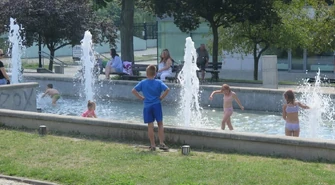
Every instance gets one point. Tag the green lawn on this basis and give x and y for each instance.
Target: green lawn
(84, 160)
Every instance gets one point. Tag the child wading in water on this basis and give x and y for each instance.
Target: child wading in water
(90, 113)
(290, 114)
(228, 98)
(53, 93)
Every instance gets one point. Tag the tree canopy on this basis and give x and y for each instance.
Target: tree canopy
(188, 14)
(57, 22)
(299, 27)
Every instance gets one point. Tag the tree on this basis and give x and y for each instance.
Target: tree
(188, 14)
(127, 30)
(289, 27)
(58, 23)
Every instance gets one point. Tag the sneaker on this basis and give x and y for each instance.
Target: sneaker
(163, 147)
(152, 148)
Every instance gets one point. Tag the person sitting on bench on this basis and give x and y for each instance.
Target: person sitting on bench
(202, 60)
(164, 67)
(114, 65)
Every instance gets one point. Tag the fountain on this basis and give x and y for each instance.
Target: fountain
(88, 61)
(322, 112)
(16, 51)
(189, 93)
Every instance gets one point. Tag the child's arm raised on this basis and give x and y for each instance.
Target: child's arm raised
(238, 101)
(303, 105)
(215, 92)
(138, 95)
(164, 94)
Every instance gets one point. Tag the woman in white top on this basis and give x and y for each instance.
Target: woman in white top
(165, 65)
(114, 65)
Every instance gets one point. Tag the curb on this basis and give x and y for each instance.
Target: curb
(25, 180)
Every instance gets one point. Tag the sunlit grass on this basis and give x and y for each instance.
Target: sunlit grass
(86, 160)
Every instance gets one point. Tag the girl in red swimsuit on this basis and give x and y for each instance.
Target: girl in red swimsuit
(90, 113)
(228, 98)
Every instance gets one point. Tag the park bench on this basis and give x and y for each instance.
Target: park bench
(136, 69)
(214, 73)
(323, 80)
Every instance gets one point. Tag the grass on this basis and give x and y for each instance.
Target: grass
(29, 65)
(86, 160)
(145, 58)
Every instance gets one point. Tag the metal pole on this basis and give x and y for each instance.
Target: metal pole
(39, 51)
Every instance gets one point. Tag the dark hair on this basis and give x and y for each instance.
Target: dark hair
(151, 70)
(50, 86)
(289, 96)
(113, 53)
(90, 103)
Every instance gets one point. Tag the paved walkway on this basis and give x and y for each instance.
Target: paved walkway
(11, 180)
(72, 70)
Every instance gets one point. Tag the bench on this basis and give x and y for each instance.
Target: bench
(214, 73)
(323, 80)
(323, 67)
(136, 69)
(175, 69)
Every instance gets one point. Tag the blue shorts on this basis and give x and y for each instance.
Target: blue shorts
(152, 113)
(3, 81)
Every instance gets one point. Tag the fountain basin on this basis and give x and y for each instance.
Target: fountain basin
(18, 96)
(227, 141)
(257, 99)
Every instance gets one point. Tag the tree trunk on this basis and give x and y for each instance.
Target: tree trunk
(256, 59)
(126, 30)
(215, 45)
(52, 56)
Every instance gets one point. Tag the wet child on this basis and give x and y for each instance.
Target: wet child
(154, 91)
(228, 97)
(90, 113)
(290, 114)
(53, 93)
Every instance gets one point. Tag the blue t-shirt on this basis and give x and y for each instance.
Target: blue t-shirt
(151, 90)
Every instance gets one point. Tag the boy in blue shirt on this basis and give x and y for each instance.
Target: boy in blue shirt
(153, 91)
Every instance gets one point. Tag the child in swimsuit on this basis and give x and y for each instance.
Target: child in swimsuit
(53, 93)
(290, 114)
(228, 98)
(90, 113)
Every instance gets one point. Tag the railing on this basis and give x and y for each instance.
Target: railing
(56, 60)
(146, 30)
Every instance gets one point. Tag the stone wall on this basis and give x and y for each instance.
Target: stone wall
(18, 96)
(258, 99)
(259, 144)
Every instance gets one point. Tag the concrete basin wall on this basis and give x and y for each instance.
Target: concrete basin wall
(20, 96)
(258, 99)
(259, 144)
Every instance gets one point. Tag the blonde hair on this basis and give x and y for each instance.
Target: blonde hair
(166, 55)
(151, 70)
(226, 87)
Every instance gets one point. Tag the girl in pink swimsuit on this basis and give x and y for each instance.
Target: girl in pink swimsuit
(90, 113)
(290, 114)
(228, 98)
